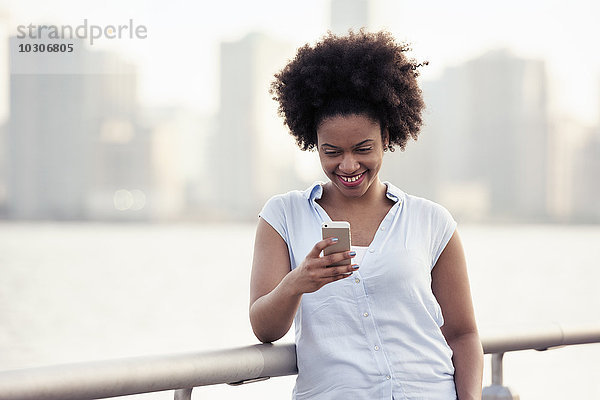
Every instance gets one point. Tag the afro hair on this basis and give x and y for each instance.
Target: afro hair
(360, 73)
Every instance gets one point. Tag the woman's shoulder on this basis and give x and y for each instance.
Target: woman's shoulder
(423, 203)
(293, 197)
(428, 210)
(291, 207)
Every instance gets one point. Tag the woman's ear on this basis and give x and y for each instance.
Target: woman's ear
(385, 136)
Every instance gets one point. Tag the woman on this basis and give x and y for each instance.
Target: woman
(398, 322)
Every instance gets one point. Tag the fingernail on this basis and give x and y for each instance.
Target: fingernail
(334, 240)
(352, 253)
(355, 266)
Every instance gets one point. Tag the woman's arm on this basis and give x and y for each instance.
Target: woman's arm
(275, 291)
(450, 285)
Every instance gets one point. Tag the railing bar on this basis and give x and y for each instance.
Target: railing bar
(123, 377)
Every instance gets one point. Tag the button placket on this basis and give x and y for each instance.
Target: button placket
(371, 334)
(379, 352)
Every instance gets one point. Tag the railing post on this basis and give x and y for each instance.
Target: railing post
(497, 391)
(183, 394)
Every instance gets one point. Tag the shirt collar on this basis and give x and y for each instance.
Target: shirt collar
(315, 191)
(393, 193)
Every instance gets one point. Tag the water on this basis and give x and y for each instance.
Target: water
(81, 292)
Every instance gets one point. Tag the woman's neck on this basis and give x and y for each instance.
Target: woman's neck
(335, 199)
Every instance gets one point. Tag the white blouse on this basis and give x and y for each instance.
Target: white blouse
(375, 335)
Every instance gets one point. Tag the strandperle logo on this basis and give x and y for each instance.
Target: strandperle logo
(83, 31)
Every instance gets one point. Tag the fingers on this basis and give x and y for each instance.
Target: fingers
(318, 270)
(331, 274)
(322, 275)
(339, 273)
(320, 246)
(336, 258)
(331, 258)
(344, 270)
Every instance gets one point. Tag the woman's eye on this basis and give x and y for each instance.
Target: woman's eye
(363, 149)
(330, 153)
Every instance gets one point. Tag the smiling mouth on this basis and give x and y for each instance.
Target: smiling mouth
(353, 180)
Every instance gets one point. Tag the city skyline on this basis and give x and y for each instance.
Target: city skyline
(492, 149)
(445, 34)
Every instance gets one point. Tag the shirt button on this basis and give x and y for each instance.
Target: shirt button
(376, 348)
(371, 250)
(366, 314)
(357, 280)
(388, 377)
(383, 228)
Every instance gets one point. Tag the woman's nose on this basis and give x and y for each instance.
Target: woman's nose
(349, 164)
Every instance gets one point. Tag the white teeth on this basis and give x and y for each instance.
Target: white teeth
(351, 179)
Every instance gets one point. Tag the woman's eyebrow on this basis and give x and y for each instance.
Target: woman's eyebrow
(363, 142)
(356, 145)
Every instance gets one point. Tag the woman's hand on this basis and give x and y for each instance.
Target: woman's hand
(275, 291)
(315, 271)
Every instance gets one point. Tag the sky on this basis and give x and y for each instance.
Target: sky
(178, 62)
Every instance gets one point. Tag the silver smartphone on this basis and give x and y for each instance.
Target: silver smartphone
(340, 230)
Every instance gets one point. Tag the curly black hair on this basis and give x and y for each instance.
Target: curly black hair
(360, 73)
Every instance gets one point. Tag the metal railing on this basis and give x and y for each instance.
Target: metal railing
(182, 372)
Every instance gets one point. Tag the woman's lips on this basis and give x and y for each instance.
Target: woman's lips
(351, 180)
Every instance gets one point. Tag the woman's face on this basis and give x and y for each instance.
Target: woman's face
(351, 152)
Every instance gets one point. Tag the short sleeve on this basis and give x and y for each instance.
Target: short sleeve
(444, 227)
(274, 214)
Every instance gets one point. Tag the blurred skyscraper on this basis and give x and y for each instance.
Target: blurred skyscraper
(4, 100)
(179, 150)
(585, 177)
(251, 151)
(122, 174)
(507, 132)
(3, 168)
(48, 140)
(3, 66)
(74, 149)
(484, 146)
(346, 14)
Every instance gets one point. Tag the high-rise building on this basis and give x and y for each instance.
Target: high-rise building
(3, 169)
(3, 67)
(349, 14)
(490, 121)
(48, 141)
(251, 151)
(122, 173)
(3, 106)
(585, 172)
(74, 147)
(179, 150)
